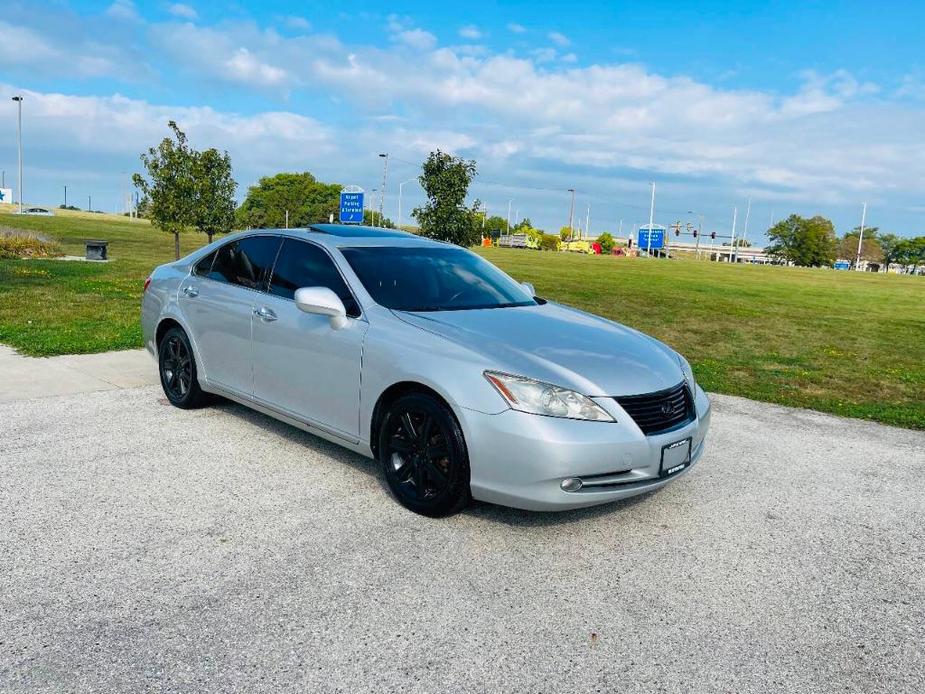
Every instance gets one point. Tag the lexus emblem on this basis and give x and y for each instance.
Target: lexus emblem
(667, 408)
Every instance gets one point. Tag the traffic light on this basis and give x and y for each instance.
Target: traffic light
(677, 231)
(712, 234)
(695, 233)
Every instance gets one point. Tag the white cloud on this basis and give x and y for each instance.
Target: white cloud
(183, 11)
(298, 23)
(417, 38)
(470, 32)
(123, 10)
(558, 38)
(516, 28)
(569, 58)
(244, 67)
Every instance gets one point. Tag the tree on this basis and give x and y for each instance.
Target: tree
(565, 233)
(445, 179)
(607, 242)
(891, 249)
(494, 226)
(870, 246)
(307, 200)
(804, 242)
(372, 218)
(214, 205)
(169, 190)
(914, 252)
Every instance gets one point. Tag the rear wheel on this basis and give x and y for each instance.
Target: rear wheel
(178, 371)
(423, 456)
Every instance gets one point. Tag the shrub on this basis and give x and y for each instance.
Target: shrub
(549, 243)
(607, 243)
(15, 243)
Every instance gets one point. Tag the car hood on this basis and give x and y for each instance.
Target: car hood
(563, 346)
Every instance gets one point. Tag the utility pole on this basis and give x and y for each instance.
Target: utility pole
(385, 173)
(18, 100)
(857, 262)
(735, 213)
(588, 222)
(571, 214)
(509, 203)
(651, 222)
(400, 186)
(89, 203)
(65, 197)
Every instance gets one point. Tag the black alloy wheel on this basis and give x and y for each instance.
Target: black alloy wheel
(178, 371)
(423, 455)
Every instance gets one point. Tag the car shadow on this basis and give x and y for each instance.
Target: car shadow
(479, 510)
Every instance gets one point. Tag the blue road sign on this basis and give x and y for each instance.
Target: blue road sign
(351, 207)
(650, 238)
(842, 265)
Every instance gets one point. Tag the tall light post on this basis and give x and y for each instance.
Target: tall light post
(571, 214)
(651, 222)
(18, 100)
(857, 262)
(400, 186)
(509, 203)
(385, 173)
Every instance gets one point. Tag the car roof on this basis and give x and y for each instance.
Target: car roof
(344, 235)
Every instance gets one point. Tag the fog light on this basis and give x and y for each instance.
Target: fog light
(571, 484)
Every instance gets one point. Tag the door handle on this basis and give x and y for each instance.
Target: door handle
(190, 291)
(265, 314)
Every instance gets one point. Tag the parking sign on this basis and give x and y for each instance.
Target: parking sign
(351, 205)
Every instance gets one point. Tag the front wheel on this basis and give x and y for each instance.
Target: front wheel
(178, 371)
(423, 456)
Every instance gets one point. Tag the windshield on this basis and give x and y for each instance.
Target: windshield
(433, 279)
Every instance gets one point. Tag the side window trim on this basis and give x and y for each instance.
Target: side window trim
(327, 255)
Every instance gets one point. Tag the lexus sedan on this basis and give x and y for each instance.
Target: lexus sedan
(457, 379)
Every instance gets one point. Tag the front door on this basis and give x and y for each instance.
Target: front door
(302, 366)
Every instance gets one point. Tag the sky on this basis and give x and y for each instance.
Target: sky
(797, 107)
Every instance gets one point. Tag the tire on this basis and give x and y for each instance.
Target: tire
(177, 368)
(421, 447)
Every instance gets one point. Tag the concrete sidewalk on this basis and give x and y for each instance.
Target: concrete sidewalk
(25, 378)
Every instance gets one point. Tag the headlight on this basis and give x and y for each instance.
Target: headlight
(687, 370)
(536, 397)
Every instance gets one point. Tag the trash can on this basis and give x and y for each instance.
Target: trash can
(96, 250)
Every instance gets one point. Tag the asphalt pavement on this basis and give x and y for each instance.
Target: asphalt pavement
(145, 548)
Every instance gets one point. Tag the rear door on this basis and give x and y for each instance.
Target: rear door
(219, 305)
(303, 366)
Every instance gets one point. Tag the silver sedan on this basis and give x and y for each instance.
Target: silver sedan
(458, 380)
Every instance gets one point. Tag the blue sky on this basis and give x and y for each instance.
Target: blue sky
(805, 107)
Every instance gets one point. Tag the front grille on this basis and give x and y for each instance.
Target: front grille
(660, 411)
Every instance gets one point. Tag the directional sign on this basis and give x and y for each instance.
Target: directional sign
(842, 265)
(651, 238)
(351, 205)
(6, 195)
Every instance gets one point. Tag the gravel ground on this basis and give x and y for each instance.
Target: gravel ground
(144, 548)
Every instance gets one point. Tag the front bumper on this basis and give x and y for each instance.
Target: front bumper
(518, 459)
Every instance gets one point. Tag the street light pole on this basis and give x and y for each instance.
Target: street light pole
(857, 262)
(18, 100)
(571, 214)
(65, 197)
(400, 186)
(385, 173)
(509, 203)
(651, 222)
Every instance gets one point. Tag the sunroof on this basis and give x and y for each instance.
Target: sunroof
(356, 231)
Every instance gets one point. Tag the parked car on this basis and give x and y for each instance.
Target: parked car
(38, 211)
(458, 380)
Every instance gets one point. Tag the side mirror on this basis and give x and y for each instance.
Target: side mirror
(323, 302)
(529, 287)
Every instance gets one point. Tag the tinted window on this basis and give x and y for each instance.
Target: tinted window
(303, 264)
(433, 279)
(246, 262)
(203, 267)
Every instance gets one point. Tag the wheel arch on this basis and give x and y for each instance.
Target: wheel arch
(162, 327)
(390, 395)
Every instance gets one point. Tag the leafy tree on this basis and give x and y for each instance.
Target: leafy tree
(523, 225)
(805, 242)
(372, 218)
(549, 242)
(307, 200)
(607, 242)
(871, 250)
(891, 248)
(445, 179)
(214, 205)
(565, 233)
(169, 188)
(914, 252)
(494, 226)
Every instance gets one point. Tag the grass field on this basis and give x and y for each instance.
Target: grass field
(848, 343)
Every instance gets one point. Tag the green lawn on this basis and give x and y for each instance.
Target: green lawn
(848, 343)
